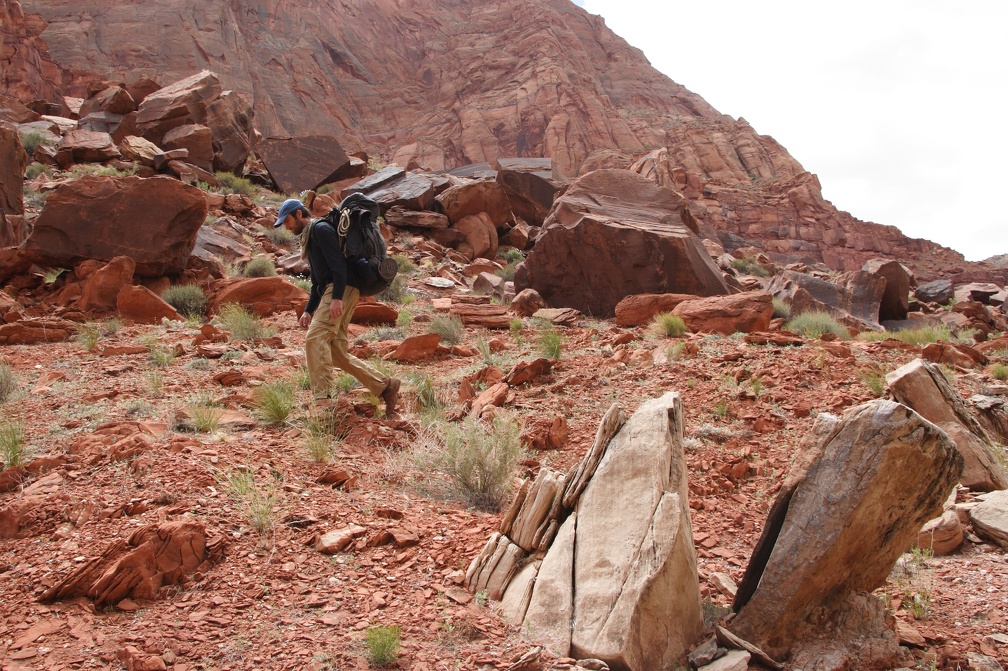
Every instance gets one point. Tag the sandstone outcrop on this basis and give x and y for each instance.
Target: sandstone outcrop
(613, 234)
(853, 299)
(142, 306)
(153, 221)
(298, 164)
(530, 185)
(641, 308)
(13, 161)
(847, 510)
(895, 300)
(102, 287)
(737, 313)
(262, 295)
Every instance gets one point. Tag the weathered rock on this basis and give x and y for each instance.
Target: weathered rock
(492, 569)
(533, 519)
(745, 313)
(230, 120)
(855, 302)
(142, 306)
(530, 184)
(733, 660)
(844, 514)
(383, 177)
(482, 314)
(113, 99)
(403, 218)
(139, 149)
(221, 241)
(161, 554)
(641, 308)
(369, 311)
(177, 104)
(336, 541)
(545, 433)
(480, 236)
(942, 535)
(86, 146)
(297, 164)
(938, 291)
(410, 191)
(614, 234)
(198, 141)
(527, 303)
(896, 296)
(473, 198)
(558, 316)
(154, 221)
(102, 286)
(32, 331)
(494, 396)
(13, 161)
(979, 292)
(953, 354)
(620, 584)
(990, 517)
(922, 387)
(416, 348)
(526, 371)
(262, 295)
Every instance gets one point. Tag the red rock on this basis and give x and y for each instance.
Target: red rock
(954, 354)
(262, 295)
(339, 540)
(304, 163)
(373, 312)
(779, 338)
(124, 350)
(101, 287)
(85, 146)
(480, 235)
(13, 161)
(416, 348)
(896, 297)
(197, 140)
(410, 191)
(530, 185)
(527, 302)
(142, 306)
(113, 99)
(474, 198)
(98, 218)
(545, 433)
(481, 314)
(32, 331)
(403, 218)
(523, 371)
(640, 309)
(495, 396)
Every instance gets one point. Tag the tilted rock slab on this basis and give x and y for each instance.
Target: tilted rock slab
(923, 387)
(990, 518)
(860, 491)
(13, 161)
(853, 300)
(153, 221)
(895, 300)
(620, 581)
(613, 234)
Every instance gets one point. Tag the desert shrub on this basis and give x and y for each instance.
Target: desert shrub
(748, 267)
(259, 504)
(781, 310)
(425, 391)
(302, 283)
(511, 255)
(487, 355)
(396, 292)
(551, 343)
(924, 335)
(34, 199)
(449, 327)
(669, 325)
(161, 356)
(232, 183)
(13, 447)
(382, 644)
(279, 236)
(260, 266)
(998, 371)
(88, 335)
(816, 323)
(405, 263)
(242, 324)
(188, 299)
(8, 382)
(480, 461)
(32, 141)
(35, 169)
(85, 169)
(274, 401)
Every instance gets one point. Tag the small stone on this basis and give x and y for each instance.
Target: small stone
(128, 606)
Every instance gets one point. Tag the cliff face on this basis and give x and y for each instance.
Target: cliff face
(442, 83)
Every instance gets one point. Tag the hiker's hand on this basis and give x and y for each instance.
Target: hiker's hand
(335, 309)
(304, 320)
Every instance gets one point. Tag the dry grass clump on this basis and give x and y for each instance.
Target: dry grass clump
(8, 382)
(13, 447)
(242, 324)
(260, 266)
(668, 325)
(188, 299)
(449, 327)
(259, 504)
(816, 324)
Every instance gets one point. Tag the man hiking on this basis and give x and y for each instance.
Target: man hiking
(333, 297)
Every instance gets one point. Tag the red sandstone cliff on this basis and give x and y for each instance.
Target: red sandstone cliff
(441, 83)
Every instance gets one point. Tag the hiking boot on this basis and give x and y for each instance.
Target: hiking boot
(391, 397)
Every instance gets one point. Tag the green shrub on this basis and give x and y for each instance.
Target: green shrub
(13, 448)
(405, 263)
(161, 357)
(260, 266)
(480, 462)
(669, 325)
(815, 324)
(449, 327)
(8, 382)
(274, 401)
(279, 236)
(382, 644)
(998, 371)
(551, 343)
(35, 169)
(32, 141)
(242, 324)
(396, 292)
(749, 267)
(923, 335)
(88, 335)
(781, 310)
(85, 169)
(188, 299)
(301, 283)
(232, 183)
(511, 256)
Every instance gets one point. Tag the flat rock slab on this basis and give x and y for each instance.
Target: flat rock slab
(990, 518)
(297, 164)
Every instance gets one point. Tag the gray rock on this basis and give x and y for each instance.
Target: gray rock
(938, 291)
(990, 518)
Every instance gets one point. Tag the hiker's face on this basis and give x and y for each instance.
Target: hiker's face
(295, 222)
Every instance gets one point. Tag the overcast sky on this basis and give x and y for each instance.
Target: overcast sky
(898, 106)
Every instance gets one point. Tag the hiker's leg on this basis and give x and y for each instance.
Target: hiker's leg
(364, 372)
(318, 347)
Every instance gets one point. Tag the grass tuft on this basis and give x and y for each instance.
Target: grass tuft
(781, 310)
(551, 343)
(749, 267)
(232, 183)
(88, 335)
(8, 382)
(998, 371)
(449, 327)
(188, 299)
(260, 505)
(260, 266)
(242, 324)
(383, 644)
(668, 325)
(13, 447)
(816, 324)
(274, 401)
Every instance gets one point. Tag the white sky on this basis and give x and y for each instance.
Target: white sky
(899, 106)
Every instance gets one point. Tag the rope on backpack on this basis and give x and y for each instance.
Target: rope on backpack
(343, 227)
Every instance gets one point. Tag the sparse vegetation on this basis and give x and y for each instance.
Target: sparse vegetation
(274, 401)
(85, 169)
(668, 325)
(423, 388)
(35, 169)
(998, 371)
(781, 310)
(486, 354)
(551, 343)
(8, 382)
(260, 505)
(301, 283)
(13, 448)
(396, 292)
(749, 267)
(260, 266)
(88, 335)
(279, 236)
(449, 327)
(722, 409)
(383, 644)
(874, 379)
(318, 441)
(32, 141)
(242, 324)
(232, 183)
(816, 324)
(924, 335)
(188, 299)
(405, 263)
(205, 414)
(161, 356)
(33, 198)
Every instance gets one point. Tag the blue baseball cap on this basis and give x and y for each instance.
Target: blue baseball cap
(290, 206)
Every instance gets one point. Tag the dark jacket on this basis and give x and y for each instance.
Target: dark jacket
(328, 266)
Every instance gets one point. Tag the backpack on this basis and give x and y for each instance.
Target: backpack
(356, 224)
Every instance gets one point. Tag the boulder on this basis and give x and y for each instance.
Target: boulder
(853, 300)
(177, 104)
(942, 535)
(922, 387)
(527, 302)
(262, 295)
(471, 198)
(895, 300)
(953, 354)
(221, 240)
(480, 236)
(101, 288)
(13, 161)
(620, 583)
(154, 221)
(385, 176)
(402, 218)
(990, 518)
(197, 140)
(369, 311)
(297, 164)
(139, 150)
(416, 348)
(979, 292)
(736, 313)
(530, 185)
(142, 306)
(613, 234)
(85, 146)
(410, 191)
(641, 308)
(230, 120)
(113, 99)
(846, 511)
(938, 291)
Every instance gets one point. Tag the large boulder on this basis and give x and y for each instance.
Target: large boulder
(469, 198)
(895, 300)
(154, 221)
(853, 300)
(102, 287)
(142, 306)
(937, 291)
(530, 185)
(297, 164)
(846, 511)
(411, 191)
(230, 120)
(620, 581)
(641, 308)
(13, 161)
(86, 146)
(990, 518)
(923, 387)
(261, 295)
(197, 140)
(612, 234)
(736, 313)
(113, 99)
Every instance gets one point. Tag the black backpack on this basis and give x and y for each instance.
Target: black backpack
(356, 224)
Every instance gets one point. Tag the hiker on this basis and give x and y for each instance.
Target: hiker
(331, 303)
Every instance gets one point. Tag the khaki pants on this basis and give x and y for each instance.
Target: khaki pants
(326, 344)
